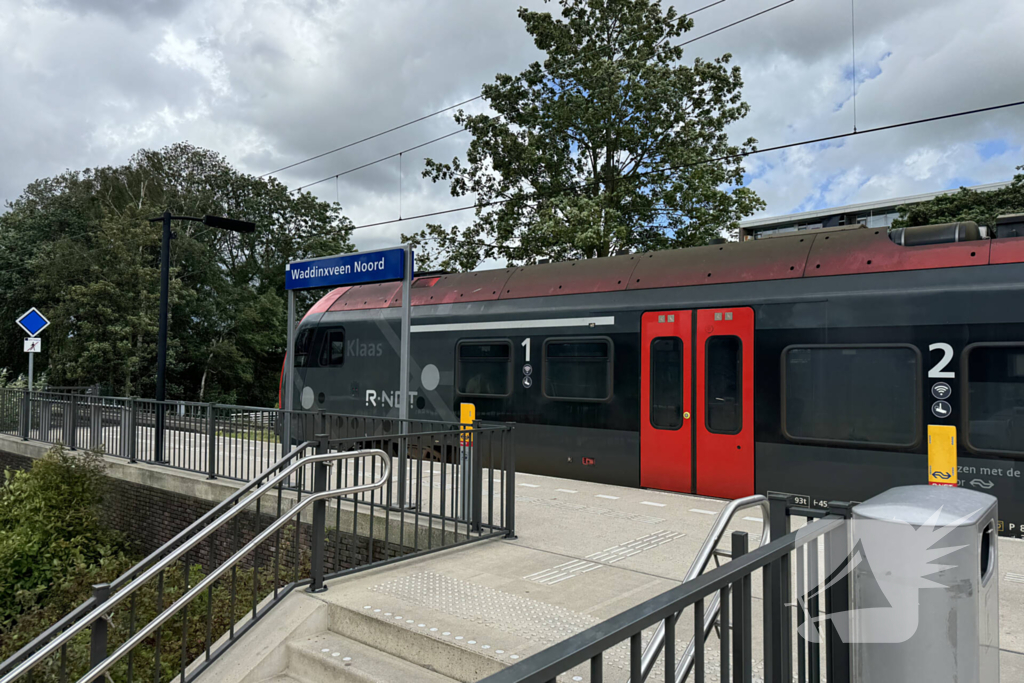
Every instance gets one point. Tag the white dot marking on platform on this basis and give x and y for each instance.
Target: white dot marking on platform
(647, 502)
(531, 486)
(471, 642)
(335, 654)
(434, 629)
(606, 497)
(376, 610)
(514, 656)
(446, 633)
(420, 625)
(346, 659)
(326, 649)
(703, 512)
(367, 606)
(567, 491)
(500, 652)
(753, 519)
(458, 637)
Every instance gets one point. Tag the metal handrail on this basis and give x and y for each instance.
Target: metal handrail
(174, 555)
(212, 512)
(700, 563)
(128, 575)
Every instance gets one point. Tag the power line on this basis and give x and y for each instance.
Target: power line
(377, 161)
(371, 137)
(726, 157)
(735, 23)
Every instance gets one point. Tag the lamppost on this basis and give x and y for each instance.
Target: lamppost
(165, 270)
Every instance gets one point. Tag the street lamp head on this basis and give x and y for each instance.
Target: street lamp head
(229, 224)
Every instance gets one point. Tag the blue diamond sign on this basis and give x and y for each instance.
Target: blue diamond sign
(33, 322)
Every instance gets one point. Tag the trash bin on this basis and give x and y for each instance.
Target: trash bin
(924, 587)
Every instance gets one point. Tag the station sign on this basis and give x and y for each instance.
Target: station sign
(346, 269)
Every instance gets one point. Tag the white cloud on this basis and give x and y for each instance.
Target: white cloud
(267, 82)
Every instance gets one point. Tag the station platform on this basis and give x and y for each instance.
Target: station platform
(584, 552)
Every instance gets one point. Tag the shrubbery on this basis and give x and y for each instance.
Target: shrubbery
(52, 541)
(54, 546)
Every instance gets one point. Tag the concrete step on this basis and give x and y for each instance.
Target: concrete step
(281, 678)
(329, 657)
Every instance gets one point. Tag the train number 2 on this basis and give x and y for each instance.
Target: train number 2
(938, 370)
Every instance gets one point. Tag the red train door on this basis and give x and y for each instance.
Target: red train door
(724, 411)
(666, 379)
(697, 400)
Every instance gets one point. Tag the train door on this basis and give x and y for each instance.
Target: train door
(666, 376)
(697, 396)
(724, 420)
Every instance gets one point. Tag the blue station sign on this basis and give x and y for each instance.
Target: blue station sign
(346, 269)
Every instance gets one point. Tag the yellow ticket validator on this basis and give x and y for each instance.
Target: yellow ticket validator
(942, 455)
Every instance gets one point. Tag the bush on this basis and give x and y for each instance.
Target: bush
(54, 547)
(51, 537)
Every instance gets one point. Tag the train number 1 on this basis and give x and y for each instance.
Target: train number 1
(938, 370)
(526, 345)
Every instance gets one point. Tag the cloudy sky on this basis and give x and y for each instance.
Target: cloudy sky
(269, 82)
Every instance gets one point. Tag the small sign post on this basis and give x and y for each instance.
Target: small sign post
(33, 322)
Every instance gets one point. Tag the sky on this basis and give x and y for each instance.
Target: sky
(86, 83)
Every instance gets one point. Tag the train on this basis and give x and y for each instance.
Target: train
(812, 363)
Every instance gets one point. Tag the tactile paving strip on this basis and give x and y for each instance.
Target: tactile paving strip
(534, 620)
(565, 505)
(569, 570)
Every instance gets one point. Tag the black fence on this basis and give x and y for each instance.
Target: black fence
(351, 497)
(233, 442)
(808, 564)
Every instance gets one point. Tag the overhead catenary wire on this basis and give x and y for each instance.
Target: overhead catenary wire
(735, 23)
(370, 137)
(392, 156)
(377, 161)
(739, 155)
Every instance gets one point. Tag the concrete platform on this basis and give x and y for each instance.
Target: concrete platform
(584, 552)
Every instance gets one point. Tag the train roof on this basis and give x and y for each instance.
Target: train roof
(855, 250)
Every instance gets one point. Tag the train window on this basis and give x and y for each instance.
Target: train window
(995, 397)
(484, 368)
(332, 349)
(578, 369)
(667, 383)
(723, 382)
(852, 394)
(303, 342)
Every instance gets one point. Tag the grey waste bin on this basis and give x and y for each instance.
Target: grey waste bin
(924, 587)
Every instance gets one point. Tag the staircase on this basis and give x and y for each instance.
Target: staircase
(328, 656)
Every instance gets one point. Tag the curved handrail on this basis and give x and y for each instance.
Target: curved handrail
(129, 575)
(700, 563)
(174, 555)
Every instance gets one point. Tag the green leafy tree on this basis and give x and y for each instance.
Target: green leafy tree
(80, 247)
(610, 144)
(966, 205)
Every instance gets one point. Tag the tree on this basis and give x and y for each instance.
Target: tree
(610, 144)
(966, 205)
(80, 247)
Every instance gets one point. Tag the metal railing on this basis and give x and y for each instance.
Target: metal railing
(459, 488)
(708, 550)
(220, 441)
(106, 605)
(817, 552)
